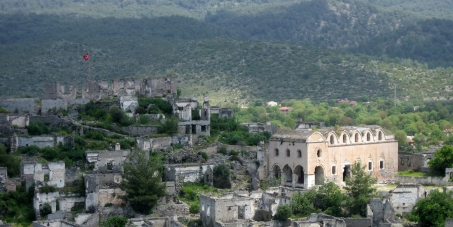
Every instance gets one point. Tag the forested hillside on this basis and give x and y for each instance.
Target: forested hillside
(211, 52)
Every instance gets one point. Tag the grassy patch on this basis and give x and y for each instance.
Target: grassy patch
(411, 173)
(190, 194)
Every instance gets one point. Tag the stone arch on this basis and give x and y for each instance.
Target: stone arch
(379, 135)
(332, 139)
(345, 138)
(288, 173)
(368, 136)
(299, 171)
(277, 172)
(319, 175)
(356, 137)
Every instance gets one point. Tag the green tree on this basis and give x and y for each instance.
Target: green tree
(37, 128)
(443, 158)
(432, 211)
(329, 198)
(10, 161)
(142, 181)
(359, 188)
(283, 212)
(302, 204)
(115, 221)
(221, 176)
(170, 126)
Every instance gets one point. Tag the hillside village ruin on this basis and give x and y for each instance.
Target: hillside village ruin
(295, 160)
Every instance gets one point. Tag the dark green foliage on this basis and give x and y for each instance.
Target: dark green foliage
(204, 155)
(46, 209)
(118, 116)
(159, 105)
(283, 212)
(170, 126)
(142, 181)
(47, 189)
(10, 161)
(443, 158)
(115, 221)
(433, 210)
(62, 152)
(359, 189)
(37, 128)
(221, 176)
(17, 206)
(194, 208)
(223, 150)
(302, 204)
(233, 152)
(3, 110)
(196, 114)
(329, 198)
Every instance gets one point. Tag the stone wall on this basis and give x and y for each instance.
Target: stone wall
(18, 105)
(140, 130)
(182, 173)
(87, 220)
(53, 121)
(51, 173)
(67, 202)
(404, 197)
(40, 141)
(418, 162)
(421, 180)
(239, 148)
(358, 222)
(52, 105)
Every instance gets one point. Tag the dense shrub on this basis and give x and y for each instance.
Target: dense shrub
(221, 176)
(283, 212)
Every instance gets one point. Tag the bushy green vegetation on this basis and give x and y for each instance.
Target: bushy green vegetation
(115, 221)
(329, 198)
(443, 158)
(221, 176)
(190, 194)
(16, 206)
(142, 182)
(433, 210)
(10, 161)
(159, 105)
(283, 212)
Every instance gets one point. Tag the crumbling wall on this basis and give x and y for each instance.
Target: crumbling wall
(140, 130)
(358, 222)
(185, 172)
(404, 197)
(21, 106)
(48, 105)
(69, 201)
(40, 141)
(128, 103)
(51, 173)
(87, 219)
(107, 159)
(96, 90)
(42, 198)
(162, 86)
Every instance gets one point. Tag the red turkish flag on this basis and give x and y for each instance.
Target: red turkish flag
(86, 57)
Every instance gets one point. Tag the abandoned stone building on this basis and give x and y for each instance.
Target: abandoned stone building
(183, 173)
(304, 158)
(260, 127)
(300, 124)
(222, 112)
(51, 173)
(405, 196)
(61, 91)
(17, 142)
(105, 161)
(241, 207)
(189, 124)
(415, 161)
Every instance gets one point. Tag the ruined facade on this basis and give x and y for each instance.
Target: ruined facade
(40, 141)
(404, 197)
(260, 127)
(51, 173)
(303, 158)
(182, 173)
(59, 91)
(104, 161)
(188, 124)
(411, 161)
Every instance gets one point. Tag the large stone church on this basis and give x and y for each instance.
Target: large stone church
(307, 157)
